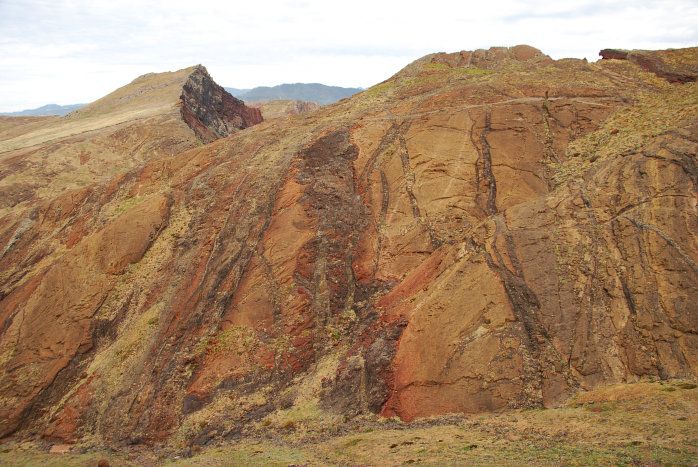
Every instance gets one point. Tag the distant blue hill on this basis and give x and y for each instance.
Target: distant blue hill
(313, 92)
(50, 109)
(235, 92)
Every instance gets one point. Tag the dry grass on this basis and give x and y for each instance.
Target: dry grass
(146, 96)
(628, 130)
(58, 129)
(651, 423)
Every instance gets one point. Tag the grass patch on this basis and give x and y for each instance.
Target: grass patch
(638, 424)
(380, 89)
(126, 204)
(462, 71)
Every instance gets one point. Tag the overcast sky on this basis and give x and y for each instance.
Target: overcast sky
(74, 51)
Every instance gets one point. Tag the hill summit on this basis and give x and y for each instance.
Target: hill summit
(155, 115)
(485, 231)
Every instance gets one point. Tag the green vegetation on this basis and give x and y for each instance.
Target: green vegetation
(238, 339)
(379, 89)
(126, 204)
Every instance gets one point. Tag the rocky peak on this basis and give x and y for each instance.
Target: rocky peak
(489, 59)
(211, 111)
(493, 58)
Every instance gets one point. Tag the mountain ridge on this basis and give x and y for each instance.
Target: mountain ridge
(309, 92)
(45, 110)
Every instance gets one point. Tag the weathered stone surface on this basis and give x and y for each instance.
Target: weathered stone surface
(211, 111)
(484, 231)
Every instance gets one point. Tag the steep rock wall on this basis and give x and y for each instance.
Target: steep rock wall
(211, 111)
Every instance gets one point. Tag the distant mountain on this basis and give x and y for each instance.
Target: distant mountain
(235, 92)
(50, 109)
(313, 92)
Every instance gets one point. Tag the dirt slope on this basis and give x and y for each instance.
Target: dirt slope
(484, 231)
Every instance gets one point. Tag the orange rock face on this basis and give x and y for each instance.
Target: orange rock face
(53, 325)
(484, 231)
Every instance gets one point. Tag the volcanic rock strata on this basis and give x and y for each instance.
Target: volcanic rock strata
(483, 231)
(211, 111)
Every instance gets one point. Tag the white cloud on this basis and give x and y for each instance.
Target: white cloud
(69, 51)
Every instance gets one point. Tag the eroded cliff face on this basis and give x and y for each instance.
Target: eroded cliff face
(211, 111)
(485, 230)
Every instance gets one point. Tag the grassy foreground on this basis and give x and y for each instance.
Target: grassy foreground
(653, 423)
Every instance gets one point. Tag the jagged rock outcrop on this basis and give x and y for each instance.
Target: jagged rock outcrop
(492, 58)
(211, 111)
(482, 231)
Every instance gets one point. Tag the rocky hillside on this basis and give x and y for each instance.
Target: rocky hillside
(157, 115)
(484, 231)
(283, 108)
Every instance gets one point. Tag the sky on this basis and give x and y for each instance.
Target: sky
(76, 51)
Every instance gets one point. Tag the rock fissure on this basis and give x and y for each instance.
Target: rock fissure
(385, 203)
(409, 176)
(547, 117)
(644, 226)
(386, 141)
(483, 167)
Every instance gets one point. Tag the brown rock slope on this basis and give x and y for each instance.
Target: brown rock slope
(485, 230)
